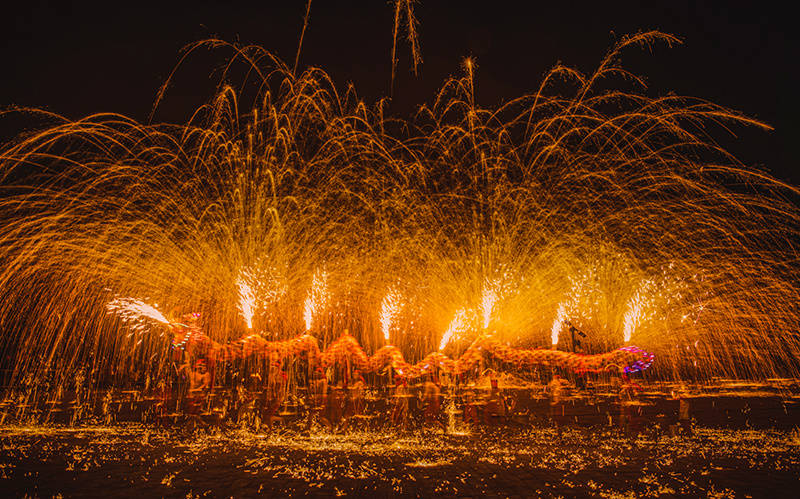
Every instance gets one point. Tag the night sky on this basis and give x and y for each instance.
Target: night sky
(113, 57)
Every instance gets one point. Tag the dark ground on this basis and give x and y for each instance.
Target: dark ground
(135, 461)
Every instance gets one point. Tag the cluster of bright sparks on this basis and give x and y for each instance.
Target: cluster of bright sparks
(135, 313)
(247, 299)
(390, 310)
(317, 299)
(558, 323)
(638, 308)
(458, 326)
(490, 295)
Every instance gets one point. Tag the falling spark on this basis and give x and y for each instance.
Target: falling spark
(405, 7)
(631, 318)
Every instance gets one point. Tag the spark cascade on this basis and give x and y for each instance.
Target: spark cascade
(317, 298)
(390, 309)
(558, 323)
(488, 299)
(576, 193)
(459, 325)
(637, 308)
(246, 299)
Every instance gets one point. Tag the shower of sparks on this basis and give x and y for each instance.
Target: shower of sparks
(247, 300)
(570, 198)
(458, 326)
(489, 297)
(637, 309)
(317, 299)
(390, 310)
(135, 313)
(558, 323)
(493, 290)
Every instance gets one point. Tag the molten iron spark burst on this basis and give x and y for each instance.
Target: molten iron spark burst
(580, 191)
(558, 323)
(459, 325)
(135, 313)
(637, 309)
(317, 299)
(390, 309)
(247, 300)
(489, 297)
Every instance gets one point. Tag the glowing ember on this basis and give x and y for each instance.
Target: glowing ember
(388, 464)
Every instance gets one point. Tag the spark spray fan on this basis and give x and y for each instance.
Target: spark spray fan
(136, 314)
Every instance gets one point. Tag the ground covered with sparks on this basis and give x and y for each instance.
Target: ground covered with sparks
(133, 460)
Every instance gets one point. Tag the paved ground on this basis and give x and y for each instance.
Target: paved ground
(136, 461)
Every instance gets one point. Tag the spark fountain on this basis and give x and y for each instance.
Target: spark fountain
(297, 230)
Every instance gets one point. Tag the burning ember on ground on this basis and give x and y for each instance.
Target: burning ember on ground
(96, 462)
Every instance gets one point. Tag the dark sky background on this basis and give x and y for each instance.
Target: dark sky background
(113, 56)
